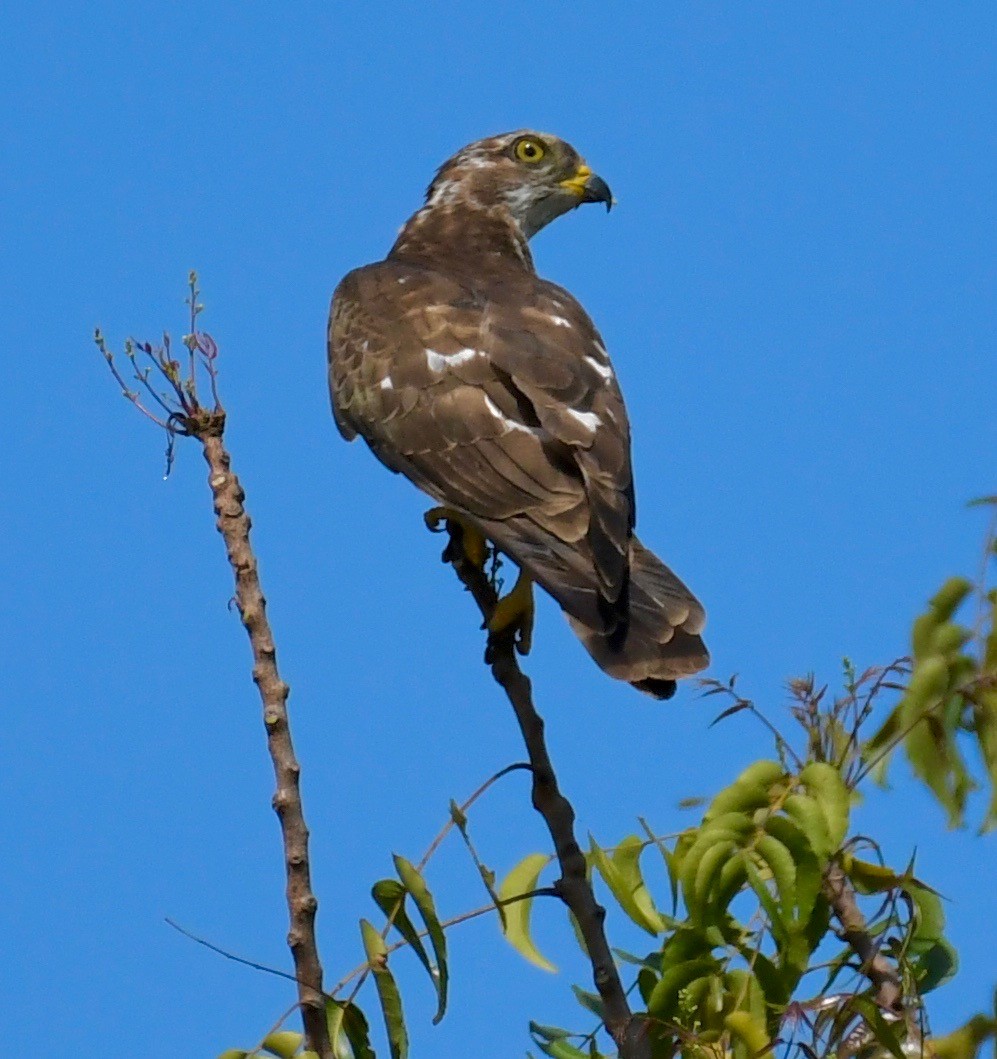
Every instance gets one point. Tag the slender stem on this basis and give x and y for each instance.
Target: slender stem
(575, 890)
(449, 825)
(233, 524)
(445, 924)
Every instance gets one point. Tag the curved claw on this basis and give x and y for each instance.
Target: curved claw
(463, 535)
(515, 612)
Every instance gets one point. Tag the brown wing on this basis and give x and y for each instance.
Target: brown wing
(502, 404)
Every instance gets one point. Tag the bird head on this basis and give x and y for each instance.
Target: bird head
(534, 175)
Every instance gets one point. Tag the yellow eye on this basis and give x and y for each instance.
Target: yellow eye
(527, 150)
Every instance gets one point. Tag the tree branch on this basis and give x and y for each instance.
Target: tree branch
(574, 888)
(233, 524)
(188, 417)
(882, 974)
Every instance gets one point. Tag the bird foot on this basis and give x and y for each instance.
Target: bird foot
(466, 540)
(514, 614)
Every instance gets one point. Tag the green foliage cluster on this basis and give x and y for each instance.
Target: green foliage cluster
(764, 889)
(743, 961)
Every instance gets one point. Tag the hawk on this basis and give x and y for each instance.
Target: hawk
(491, 390)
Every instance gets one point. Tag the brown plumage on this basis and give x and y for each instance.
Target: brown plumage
(491, 390)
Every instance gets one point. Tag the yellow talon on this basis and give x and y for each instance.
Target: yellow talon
(515, 611)
(469, 538)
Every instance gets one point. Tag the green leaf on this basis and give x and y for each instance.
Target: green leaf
(783, 870)
(809, 871)
(283, 1043)
(390, 897)
(387, 989)
(870, 878)
(929, 922)
(348, 1019)
(809, 818)
(553, 1041)
(523, 880)
(709, 868)
(653, 961)
(885, 1032)
(672, 862)
(935, 966)
(416, 886)
(750, 791)
(234, 1053)
(749, 1035)
(745, 992)
(985, 727)
(777, 924)
(730, 882)
(770, 979)
(626, 861)
(966, 1041)
(947, 599)
(663, 1001)
(621, 888)
(549, 1033)
(590, 1001)
(824, 783)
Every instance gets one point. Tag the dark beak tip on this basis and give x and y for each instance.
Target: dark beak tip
(597, 190)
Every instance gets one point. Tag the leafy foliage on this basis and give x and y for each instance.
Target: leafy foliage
(763, 890)
(744, 961)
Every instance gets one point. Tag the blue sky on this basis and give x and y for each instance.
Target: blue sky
(798, 290)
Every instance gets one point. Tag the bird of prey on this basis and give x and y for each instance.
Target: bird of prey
(491, 390)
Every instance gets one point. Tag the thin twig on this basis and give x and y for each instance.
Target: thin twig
(574, 888)
(449, 825)
(230, 955)
(365, 969)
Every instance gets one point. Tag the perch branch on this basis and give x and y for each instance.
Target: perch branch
(573, 887)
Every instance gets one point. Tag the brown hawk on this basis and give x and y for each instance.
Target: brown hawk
(491, 390)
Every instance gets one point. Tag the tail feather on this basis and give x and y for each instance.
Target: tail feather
(658, 642)
(663, 641)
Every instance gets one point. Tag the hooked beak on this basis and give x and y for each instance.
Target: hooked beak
(588, 187)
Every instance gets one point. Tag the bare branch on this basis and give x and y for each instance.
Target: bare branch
(188, 417)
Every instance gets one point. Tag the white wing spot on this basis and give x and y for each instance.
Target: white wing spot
(462, 356)
(603, 369)
(386, 383)
(436, 361)
(510, 424)
(439, 362)
(559, 321)
(589, 420)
